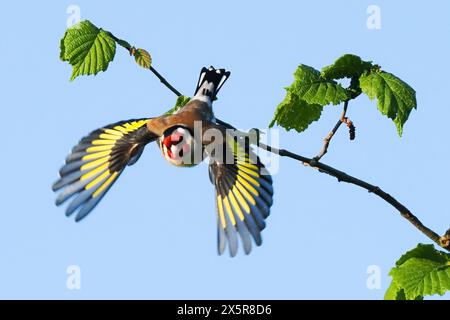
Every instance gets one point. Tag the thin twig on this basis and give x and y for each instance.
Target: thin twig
(164, 81)
(326, 141)
(131, 49)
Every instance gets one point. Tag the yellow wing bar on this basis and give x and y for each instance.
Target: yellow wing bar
(243, 195)
(97, 161)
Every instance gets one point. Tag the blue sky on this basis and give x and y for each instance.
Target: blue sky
(142, 241)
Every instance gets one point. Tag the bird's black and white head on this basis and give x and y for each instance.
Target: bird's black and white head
(209, 83)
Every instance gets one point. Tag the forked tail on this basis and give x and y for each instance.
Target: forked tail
(210, 82)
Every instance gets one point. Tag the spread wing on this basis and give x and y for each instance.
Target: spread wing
(97, 161)
(243, 196)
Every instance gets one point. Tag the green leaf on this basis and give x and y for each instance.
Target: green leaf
(310, 86)
(420, 272)
(394, 292)
(88, 49)
(395, 98)
(347, 66)
(420, 277)
(305, 99)
(181, 101)
(425, 251)
(294, 113)
(142, 58)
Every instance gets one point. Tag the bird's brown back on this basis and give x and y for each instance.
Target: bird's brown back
(194, 110)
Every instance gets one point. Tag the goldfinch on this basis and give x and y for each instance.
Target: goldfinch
(243, 186)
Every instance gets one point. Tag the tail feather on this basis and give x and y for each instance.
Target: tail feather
(210, 81)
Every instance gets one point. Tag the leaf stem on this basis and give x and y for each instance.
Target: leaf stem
(131, 49)
(327, 140)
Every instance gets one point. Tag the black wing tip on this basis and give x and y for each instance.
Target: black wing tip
(56, 185)
(80, 218)
(68, 214)
(234, 252)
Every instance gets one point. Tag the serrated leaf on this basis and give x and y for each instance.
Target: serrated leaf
(420, 272)
(181, 102)
(347, 66)
(425, 251)
(88, 49)
(422, 277)
(395, 98)
(62, 48)
(142, 58)
(310, 86)
(305, 99)
(294, 113)
(394, 292)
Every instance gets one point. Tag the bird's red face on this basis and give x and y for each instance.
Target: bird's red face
(177, 146)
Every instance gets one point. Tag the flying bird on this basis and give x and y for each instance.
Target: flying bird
(243, 186)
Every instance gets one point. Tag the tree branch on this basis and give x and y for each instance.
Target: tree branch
(341, 176)
(443, 242)
(326, 141)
